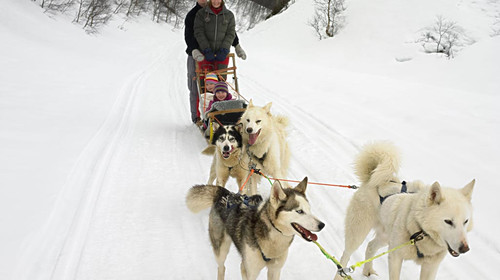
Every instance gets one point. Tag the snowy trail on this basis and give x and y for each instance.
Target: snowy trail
(124, 202)
(139, 223)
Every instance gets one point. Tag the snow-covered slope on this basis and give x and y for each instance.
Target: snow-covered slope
(98, 150)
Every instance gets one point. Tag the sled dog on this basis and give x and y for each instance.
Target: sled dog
(262, 231)
(437, 217)
(265, 135)
(228, 156)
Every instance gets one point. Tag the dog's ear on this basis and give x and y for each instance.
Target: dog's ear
(250, 104)
(467, 190)
(435, 194)
(215, 125)
(267, 108)
(277, 193)
(239, 126)
(302, 186)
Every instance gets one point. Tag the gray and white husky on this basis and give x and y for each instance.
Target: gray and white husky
(440, 216)
(262, 231)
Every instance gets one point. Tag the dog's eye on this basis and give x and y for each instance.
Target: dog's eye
(300, 211)
(258, 121)
(450, 222)
(248, 120)
(466, 221)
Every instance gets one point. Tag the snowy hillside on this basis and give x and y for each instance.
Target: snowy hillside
(98, 150)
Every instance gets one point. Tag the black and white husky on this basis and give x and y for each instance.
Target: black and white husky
(261, 231)
(228, 156)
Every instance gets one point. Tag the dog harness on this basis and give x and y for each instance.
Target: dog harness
(404, 189)
(251, 155)
(417, 236)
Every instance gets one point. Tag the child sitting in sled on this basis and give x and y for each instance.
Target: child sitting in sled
(221, 93)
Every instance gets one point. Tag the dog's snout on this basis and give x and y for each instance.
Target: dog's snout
(249, 130)
(226, 148)
(464, 248)
(321, 225)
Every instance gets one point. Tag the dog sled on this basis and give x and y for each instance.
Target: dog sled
(222, 112)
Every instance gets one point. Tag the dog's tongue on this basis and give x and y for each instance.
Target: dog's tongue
(252, 138)
(227, 154)
(307, 235)
(312, 237)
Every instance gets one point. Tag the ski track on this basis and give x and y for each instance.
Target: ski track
(117, 128)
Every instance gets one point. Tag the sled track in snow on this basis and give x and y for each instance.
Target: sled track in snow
(78, 199)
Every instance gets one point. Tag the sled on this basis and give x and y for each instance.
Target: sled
(223, 112)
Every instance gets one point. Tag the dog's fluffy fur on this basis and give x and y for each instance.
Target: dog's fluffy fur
(261, 231)
(229, 158)
(443, 214)
(266, 135)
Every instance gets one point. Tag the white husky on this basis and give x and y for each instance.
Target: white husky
(266, 135)
(442, 216)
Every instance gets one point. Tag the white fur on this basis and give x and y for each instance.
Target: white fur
(271, 143)
(427, 208)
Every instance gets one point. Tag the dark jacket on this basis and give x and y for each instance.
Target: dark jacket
(189, 31)
(214, 31)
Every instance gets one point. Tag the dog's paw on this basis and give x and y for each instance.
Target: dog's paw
(367, 271)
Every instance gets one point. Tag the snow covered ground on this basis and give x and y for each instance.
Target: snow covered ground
(97, 149)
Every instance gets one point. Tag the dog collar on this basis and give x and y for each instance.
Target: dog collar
(266, 259)
(417, 236)
(267, 214)
(252, 155)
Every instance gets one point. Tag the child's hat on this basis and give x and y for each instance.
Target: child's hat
(211, 78)
(221, 86)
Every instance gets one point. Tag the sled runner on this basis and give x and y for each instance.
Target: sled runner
(223, 112)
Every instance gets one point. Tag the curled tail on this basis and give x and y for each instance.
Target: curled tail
(201, 197)
(377, 164)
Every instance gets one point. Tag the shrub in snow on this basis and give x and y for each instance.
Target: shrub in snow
(445, 37)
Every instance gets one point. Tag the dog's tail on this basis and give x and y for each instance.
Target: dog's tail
(282, 120)
(378, 163)
(210, 150)
(201, 197)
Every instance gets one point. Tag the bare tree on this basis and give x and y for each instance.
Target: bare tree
(97, 13)
(248, 12)
(93, 14)
(328, 18)
(52, 6)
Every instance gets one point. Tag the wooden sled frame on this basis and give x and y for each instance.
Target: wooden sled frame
(230, 71)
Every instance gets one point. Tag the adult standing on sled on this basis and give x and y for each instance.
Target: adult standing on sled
(194, 53)
(214, 29)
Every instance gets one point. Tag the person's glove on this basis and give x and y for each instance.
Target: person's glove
(209, 54)
(197, 55)
(240, 52)
(221, 54)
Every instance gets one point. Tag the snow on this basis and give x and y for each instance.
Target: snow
(98, 150)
